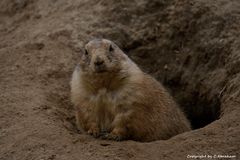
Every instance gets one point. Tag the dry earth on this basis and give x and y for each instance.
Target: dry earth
(192, 47)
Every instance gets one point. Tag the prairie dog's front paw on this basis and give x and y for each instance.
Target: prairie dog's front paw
(94, 131)
(111, 136)
(116, 135)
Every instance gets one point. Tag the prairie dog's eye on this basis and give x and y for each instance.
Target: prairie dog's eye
(86, 52)
(111, 48)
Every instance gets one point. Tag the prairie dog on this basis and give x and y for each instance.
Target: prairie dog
(115, 100)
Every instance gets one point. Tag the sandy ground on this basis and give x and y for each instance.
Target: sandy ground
(192, 47)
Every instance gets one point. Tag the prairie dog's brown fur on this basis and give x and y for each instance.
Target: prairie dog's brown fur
(115, 100)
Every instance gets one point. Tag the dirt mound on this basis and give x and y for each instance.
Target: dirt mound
(192, 47)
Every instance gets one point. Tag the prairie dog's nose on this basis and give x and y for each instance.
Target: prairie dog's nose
(99, 61)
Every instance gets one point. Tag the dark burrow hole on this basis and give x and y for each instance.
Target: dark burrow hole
(200, 109)
(202, 116)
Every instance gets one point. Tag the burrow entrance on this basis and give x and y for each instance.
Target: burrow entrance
(201, 109)
(200, 102)
(187, 79)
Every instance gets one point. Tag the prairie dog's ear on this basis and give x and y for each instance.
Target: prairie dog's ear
(111, 49)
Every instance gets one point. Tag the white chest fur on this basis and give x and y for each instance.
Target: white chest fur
(104, 104)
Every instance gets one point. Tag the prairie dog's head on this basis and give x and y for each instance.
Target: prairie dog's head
(101, 56)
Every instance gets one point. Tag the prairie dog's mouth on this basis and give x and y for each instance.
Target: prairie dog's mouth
(100, 70)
